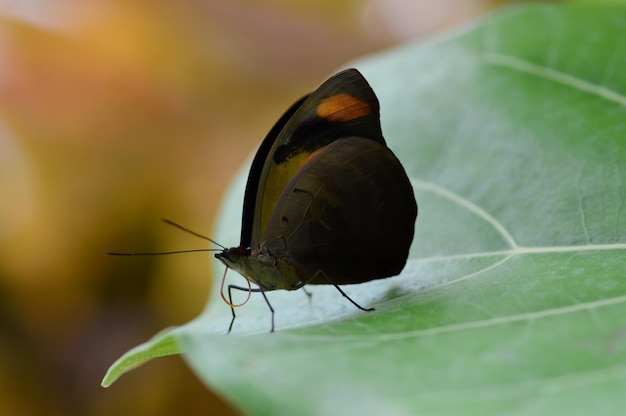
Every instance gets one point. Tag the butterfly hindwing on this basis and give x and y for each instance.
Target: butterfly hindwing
(348, 213)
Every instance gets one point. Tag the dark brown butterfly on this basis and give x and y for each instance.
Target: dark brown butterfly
(326, 202)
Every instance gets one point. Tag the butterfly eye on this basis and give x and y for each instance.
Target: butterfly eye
(233, 254)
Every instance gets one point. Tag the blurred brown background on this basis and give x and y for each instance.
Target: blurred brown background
(115, 113)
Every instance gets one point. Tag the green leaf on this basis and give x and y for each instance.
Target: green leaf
(513, 132)
(162, 344)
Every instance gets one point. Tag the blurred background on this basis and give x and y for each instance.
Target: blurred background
(115, 113)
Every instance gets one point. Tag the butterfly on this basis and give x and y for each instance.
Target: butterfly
(326, 201)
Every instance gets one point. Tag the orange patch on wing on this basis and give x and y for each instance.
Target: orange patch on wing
(342, 107)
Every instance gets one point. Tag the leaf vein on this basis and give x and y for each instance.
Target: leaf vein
(456, 198)
(529, 316)
(554, 75)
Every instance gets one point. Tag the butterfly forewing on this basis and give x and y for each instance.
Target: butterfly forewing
(343, 106)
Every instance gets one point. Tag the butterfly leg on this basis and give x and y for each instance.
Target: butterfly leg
(247, 289)
(308, 294)
(230, 299)
(345, 295)
(260, 289)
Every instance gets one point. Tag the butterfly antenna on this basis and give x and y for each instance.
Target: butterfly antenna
(180, 227)
(160, 253)
(187, 230)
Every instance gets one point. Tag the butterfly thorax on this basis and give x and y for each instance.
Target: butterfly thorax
(261, 268)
